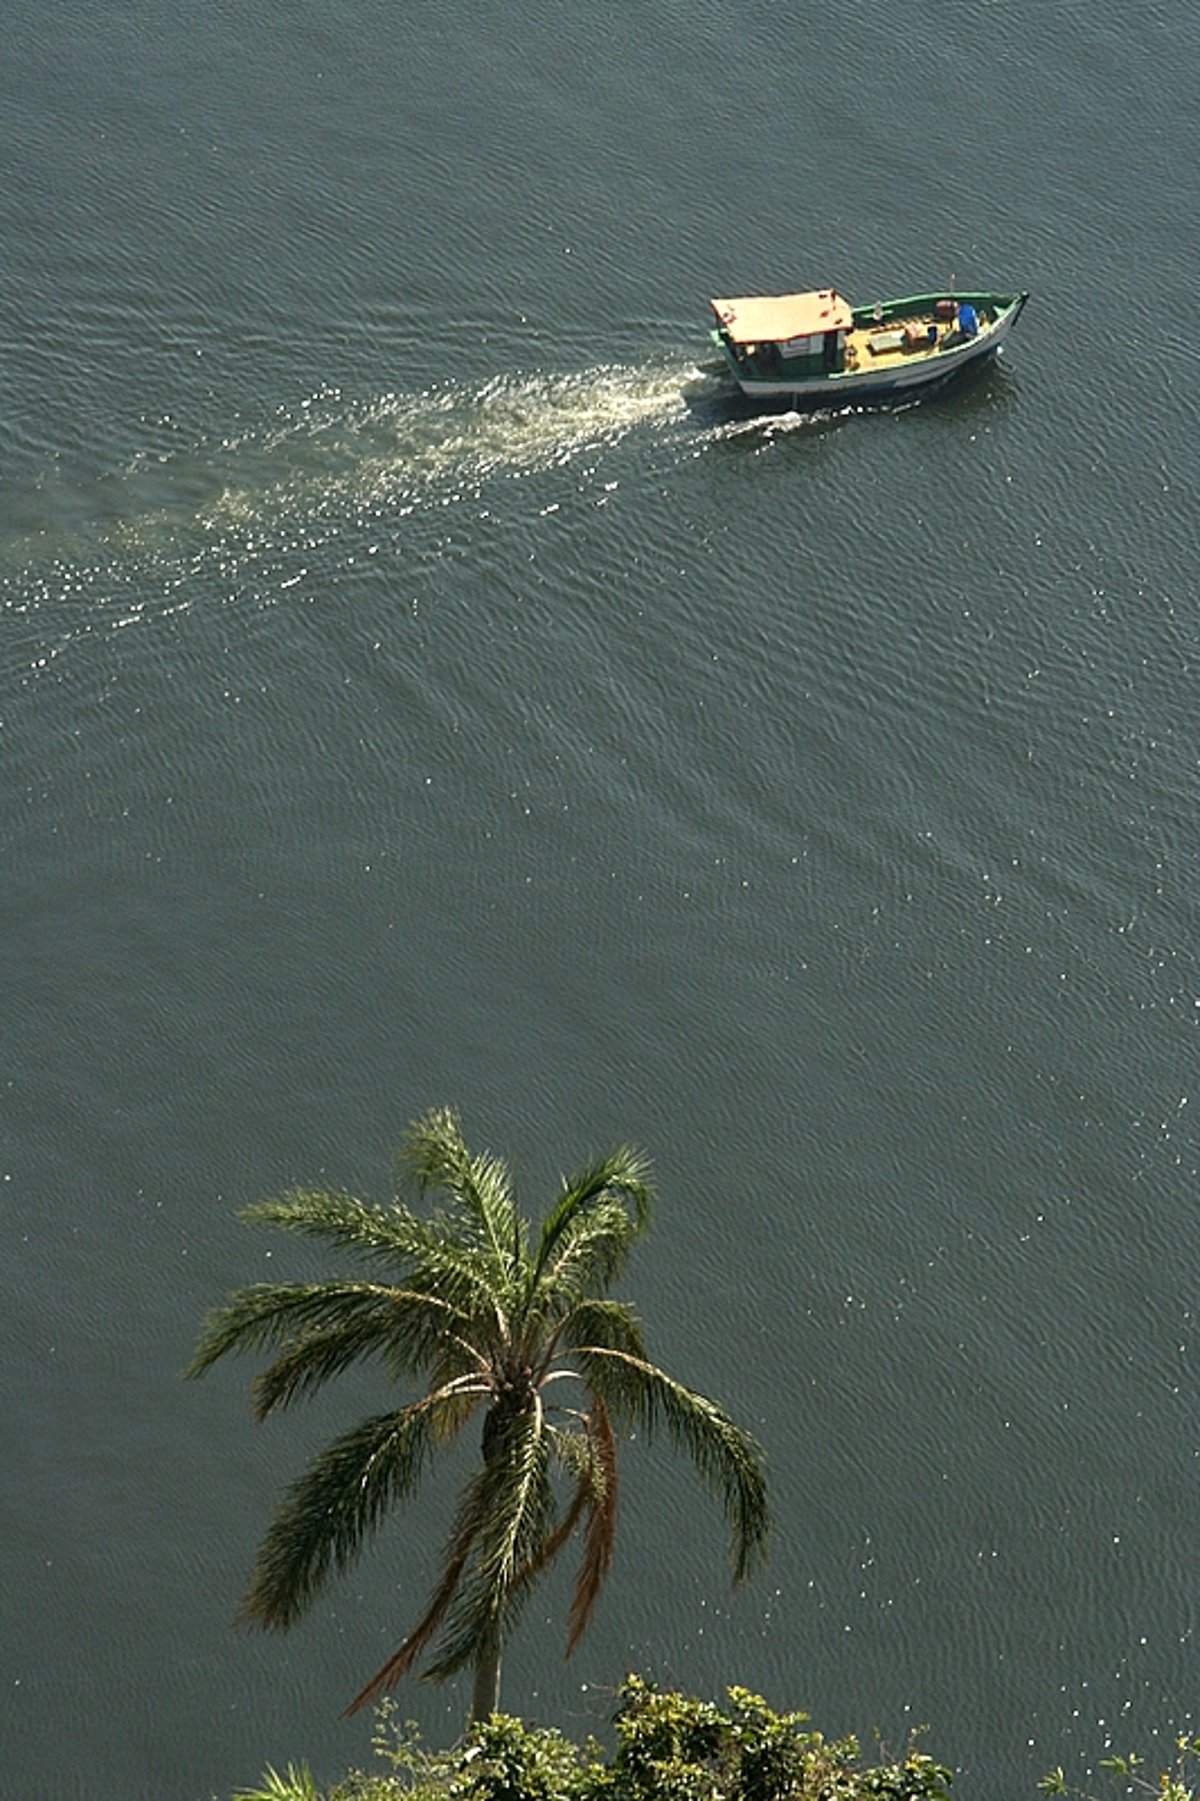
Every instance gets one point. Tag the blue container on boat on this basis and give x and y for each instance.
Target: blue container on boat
(968, 321)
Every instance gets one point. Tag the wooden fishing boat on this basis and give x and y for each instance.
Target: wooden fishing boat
(817, 348)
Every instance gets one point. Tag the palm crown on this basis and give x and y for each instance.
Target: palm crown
(490, 1316)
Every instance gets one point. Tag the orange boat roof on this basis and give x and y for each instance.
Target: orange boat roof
(773, 318)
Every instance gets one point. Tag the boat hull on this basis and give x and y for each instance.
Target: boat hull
(898, 375)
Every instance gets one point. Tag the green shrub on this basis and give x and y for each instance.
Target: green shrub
(674, 1748)
(670, 1747)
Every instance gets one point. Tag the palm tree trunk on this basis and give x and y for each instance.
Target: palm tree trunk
(485, 1700)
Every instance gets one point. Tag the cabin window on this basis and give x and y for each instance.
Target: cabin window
(833, 349)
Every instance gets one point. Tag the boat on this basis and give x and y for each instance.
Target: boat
(816, 348)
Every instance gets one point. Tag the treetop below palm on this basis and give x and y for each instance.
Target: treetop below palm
(480, 1313)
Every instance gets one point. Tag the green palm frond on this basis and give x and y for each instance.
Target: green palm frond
(426, 1333)
(428, 1254)
(435, 1155)
(345, 1222)
(314, 1360)
(517, 1515)
(571, 1450)
(309, 1362)
(466, 1279)
(611, 1325)
(591, 1254)
(579, 1462)
(332, 1509)
(406, 1327)
(298, 1784)
(271, 1313)
(601, 1522)
(457, 1411)
(518, 1498)
(725, 1454)
(611, 1195)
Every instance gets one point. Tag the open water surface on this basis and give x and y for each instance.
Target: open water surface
(419, 685)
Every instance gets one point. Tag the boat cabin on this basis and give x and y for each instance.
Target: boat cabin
(805, 331)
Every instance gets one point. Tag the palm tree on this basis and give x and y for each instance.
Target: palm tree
(490, 1317)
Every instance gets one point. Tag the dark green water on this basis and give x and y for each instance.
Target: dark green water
(418, 686)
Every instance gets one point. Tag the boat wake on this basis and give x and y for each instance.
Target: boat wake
(255, 504)
(331, 456)
(401, 452)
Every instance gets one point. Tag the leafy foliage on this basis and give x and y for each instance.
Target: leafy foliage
(1169, 1785)
(492, 1316)
(670, 1747)
(297, 1785)
(675, 1748)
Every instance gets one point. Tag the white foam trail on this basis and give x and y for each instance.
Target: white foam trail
(250, 500)
(447, 440)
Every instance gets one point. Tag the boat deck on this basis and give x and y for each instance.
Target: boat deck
(883, 346)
